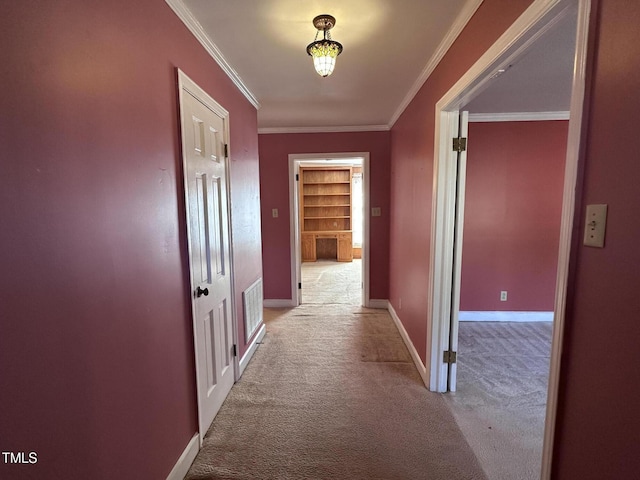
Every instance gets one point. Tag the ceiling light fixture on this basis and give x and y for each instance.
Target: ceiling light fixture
(325, 51)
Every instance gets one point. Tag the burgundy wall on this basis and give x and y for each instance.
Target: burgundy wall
(274, 184)
(412, 146)
(598, 427)
(96, 349)
(513, 204)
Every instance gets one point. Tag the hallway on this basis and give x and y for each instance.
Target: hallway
(332, 393)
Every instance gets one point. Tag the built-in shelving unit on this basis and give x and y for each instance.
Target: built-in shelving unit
(325, 211)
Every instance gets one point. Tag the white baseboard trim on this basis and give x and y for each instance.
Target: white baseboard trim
(277, 303)
(378, 303)
(505, 316)
(422, 370)
(186, 459)
(244, 361)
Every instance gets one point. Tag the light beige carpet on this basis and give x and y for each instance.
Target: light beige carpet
(500, 405)
(330, 282)
(332, 394)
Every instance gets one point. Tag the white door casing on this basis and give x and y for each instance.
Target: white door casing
(540, 16)
(204, 136)
(294, 215)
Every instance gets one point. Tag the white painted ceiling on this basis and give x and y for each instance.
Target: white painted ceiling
(539, 81)
(387, 46)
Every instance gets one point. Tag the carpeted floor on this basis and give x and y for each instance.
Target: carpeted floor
(500, 404)
(332, 394)
(329, 282)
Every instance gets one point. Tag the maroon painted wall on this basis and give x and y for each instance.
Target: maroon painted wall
(513, 204)
(598, 426)
(412, 146)
(274, 184)
(96, 349)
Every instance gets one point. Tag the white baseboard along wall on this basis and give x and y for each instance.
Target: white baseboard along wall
(468, 316)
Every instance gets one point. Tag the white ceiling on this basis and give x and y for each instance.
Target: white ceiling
(389, 48)
(540, 80)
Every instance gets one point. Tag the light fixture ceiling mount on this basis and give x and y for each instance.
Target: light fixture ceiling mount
(326, 50)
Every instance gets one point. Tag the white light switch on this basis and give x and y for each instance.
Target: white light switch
(375, 212)
(274, 212)
(595, 225)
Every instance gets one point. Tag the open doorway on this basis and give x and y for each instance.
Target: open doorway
(329, 198)
(332, 231)
(512, 214)
(541, 22)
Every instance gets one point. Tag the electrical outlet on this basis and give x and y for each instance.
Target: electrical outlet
(503, 296)
(274, 212)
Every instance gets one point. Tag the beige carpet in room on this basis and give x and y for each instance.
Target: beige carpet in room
(327, 281)
(500, 405)
(332, 394)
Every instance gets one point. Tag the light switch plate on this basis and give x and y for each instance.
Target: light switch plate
(375, 212)
(274, 212)
(595, 225)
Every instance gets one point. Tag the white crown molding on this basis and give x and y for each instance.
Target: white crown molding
(518, 117)
(354, 128)
(458, 25)
(184, 14)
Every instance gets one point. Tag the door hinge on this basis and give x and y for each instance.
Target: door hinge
(226, 150)
(235, 350)
(297, 177)
(449, 356)
(460, 144)
(299, 285)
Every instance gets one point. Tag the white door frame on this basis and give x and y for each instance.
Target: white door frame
(538, 18)
(186, 84)
(294, 227)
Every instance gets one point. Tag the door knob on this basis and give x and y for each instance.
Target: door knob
(200, 292)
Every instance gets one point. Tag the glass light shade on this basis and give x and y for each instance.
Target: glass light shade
(324, 53)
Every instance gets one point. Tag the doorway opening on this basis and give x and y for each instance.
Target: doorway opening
(448, 214)
(329, 195)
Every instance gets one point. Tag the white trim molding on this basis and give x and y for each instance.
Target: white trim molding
(278, 303)
(246, 358)
(295, 161)
(328, 129)
(198, 31)
(518, 117)
(470, 316)
(539, 17)
(566, 228)
(189, 454)
(378, 303)
(460, 22)
(409, 344)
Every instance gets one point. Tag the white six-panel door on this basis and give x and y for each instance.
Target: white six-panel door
(204, 138)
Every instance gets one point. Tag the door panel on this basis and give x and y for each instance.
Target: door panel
(208, 230)
(461, 175)
(218, 231)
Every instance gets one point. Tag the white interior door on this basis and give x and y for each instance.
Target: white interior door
(461, 175)
(204, 137)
